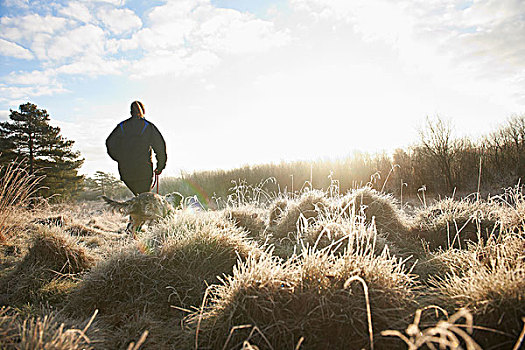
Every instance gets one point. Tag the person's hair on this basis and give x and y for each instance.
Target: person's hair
(137, 109)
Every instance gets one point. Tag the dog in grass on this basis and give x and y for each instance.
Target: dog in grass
(146, 207)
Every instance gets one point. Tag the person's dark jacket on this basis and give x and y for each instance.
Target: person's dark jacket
(130, 144)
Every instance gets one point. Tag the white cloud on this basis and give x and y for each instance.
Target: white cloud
(161, 36)
(111, 2)
(40, 44)
(20, 86)
(492, 12)
(175, 10)
(190, 37)
(93, 65)
(119, 21)
(35, 77)
(16, 3)
(76, 11)
(84, 40)
(183, 36)
(485, 47)
(27, 92)
(26, 27)
(55, 38)
(10, 49)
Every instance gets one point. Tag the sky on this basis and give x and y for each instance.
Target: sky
(241, 82)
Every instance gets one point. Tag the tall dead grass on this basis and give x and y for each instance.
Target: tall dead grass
(449, 333)
(17, 186)
(45, 332)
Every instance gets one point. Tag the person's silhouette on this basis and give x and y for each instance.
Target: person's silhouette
(130, 144)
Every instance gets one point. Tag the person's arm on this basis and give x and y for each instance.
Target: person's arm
(113, 144)
(159, 147)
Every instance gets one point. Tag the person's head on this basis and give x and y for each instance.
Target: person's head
(137, 109)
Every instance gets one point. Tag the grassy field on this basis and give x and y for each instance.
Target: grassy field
(312, 270)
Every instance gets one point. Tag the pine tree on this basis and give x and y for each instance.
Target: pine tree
(107, 184)
(7, 147)
(28, 135)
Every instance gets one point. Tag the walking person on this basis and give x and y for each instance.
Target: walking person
(130, 145)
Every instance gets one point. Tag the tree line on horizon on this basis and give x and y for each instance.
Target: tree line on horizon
(437, 163)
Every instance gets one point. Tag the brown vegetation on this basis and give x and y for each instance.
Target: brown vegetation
(46, 332)
(306, 300)
(47, 269)
(309, 270)
(16, 189)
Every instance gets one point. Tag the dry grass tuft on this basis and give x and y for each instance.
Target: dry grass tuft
(250, 218)
(9, 334)
(46, 332)
(167, 272)
(328, 220)
(512, 213)
(17, 187)
(130, 334)
(83, 230)
(375, 206)
(54, 250)
(71, 227)
(489, 280)
(307, 207)
(451, 223)
(327, 233)
(12, 250)
(46, 271)
(304, 297)
(250, 296)
(340, 234)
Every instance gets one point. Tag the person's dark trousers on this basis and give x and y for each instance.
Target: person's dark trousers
(138, 186)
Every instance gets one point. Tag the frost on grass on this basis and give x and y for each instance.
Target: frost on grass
(453, 223)
(250, 218)
(46, 332)
(489, 280)
(201, 279)
(47, 271)
(305, 297)
(308, 206)
(381, 208)
(172, 266)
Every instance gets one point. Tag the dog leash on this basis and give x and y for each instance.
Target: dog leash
(156, 183)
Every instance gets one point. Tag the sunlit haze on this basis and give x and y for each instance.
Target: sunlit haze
(236, 82)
